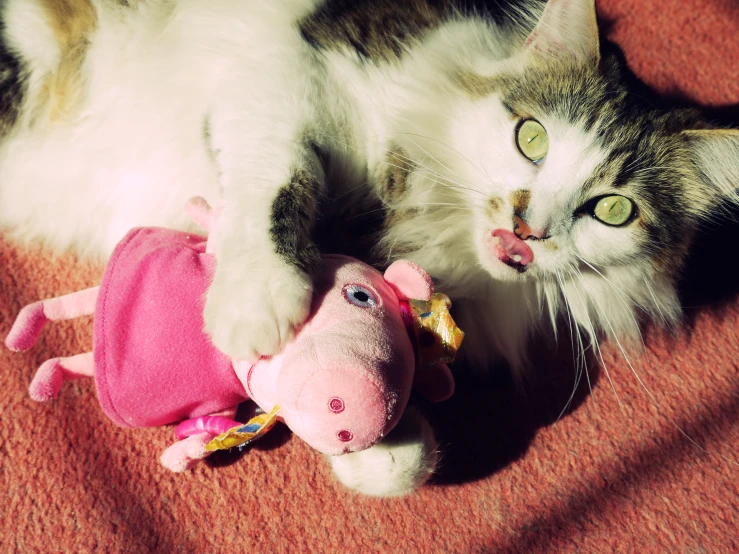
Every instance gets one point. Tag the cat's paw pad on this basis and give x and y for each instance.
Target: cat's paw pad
(397, 465)
(250, 314)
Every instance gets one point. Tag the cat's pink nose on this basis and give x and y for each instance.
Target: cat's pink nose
(511, 250)
(523, 231)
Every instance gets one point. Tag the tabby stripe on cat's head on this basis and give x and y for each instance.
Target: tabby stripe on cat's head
(636, 138)
(12, 85)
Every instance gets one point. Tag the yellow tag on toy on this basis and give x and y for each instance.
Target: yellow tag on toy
(439, 338)
(246, 433)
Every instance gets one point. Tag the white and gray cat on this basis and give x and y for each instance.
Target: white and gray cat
(500, 150)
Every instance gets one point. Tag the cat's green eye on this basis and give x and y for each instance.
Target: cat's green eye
(532, 139)
(613, 210)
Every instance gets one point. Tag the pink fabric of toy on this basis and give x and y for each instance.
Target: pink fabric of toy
(340, 384)
(153, 363)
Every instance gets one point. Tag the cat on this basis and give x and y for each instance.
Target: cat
(503, 151)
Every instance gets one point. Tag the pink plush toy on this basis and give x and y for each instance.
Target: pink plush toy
(340, 384)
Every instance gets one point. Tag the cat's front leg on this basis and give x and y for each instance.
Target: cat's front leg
(262, 286)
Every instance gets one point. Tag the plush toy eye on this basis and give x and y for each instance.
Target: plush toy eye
(532, 139)
(614, 210)
(360, 296)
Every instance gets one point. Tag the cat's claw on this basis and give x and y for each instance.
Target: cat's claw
(250, 314)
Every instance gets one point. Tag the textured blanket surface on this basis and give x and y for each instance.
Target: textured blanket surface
(645, 462)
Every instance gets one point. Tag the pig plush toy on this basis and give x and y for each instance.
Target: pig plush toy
(340, 384)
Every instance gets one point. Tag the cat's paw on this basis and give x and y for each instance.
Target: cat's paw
(396, 466)
(254, 312)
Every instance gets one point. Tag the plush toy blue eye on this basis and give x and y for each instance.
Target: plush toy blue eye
(360, 296)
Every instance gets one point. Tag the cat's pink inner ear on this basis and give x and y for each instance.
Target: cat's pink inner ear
(566, 27)
(409, 280)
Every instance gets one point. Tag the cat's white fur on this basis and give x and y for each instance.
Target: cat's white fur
(133, 152)
(395, 466)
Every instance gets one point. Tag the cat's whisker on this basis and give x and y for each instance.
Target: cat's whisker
(622, 296)
(447, 189)
(647, 169)
(581, 366)
(636, 161)
(416, 192)
(449, 205)
(479, 169)
(651, 396)
(663, 318)
(420, 165)
(366, 213)
(446, 185)
(474, 166)
(578, 354)
(449, 183)
(439, 174)
(619, 292)
(349, 191)
(426, 152)
(426, 169)
(591, 330)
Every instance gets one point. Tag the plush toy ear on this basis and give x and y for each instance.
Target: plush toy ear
(566, 27)
(409, 280)
(436, 383)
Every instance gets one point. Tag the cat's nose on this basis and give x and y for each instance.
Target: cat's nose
(524, 231)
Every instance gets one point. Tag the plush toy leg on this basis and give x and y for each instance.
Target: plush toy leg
(52, 373)
(186, 453)
(32, 318)
(195, 434)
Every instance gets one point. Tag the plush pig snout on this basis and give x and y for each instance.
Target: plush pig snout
(344, 381)
(339, 410)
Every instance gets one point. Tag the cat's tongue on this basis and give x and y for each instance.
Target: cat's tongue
(511, 250)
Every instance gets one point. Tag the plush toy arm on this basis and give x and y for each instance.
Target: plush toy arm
(436, 383)
(213, 425)
(184, 454)
(193, 435)
(201, 213)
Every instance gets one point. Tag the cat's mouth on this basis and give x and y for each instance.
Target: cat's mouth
(511, 250)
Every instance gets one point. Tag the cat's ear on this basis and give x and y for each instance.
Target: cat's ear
(715, 152)
(566, 28)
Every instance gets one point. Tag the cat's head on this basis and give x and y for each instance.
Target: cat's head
(546, 167)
